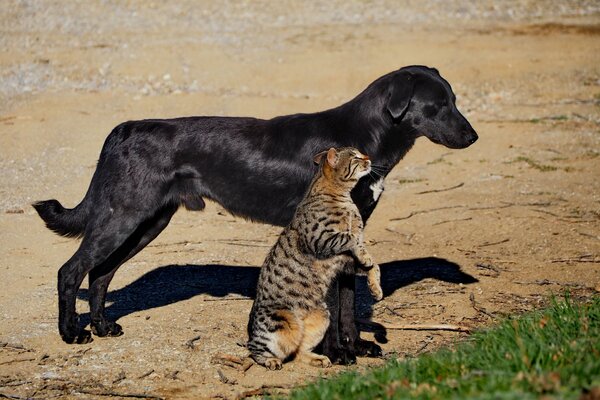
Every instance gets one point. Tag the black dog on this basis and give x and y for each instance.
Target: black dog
(256, 169)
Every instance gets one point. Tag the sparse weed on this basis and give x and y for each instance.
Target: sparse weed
(554, 352)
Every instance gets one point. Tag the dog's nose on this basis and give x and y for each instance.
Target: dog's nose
(473, 138)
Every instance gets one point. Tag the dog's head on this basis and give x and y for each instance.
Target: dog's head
(419, 97)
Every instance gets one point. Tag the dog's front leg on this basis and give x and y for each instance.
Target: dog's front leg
(331, 345)
(349, 334)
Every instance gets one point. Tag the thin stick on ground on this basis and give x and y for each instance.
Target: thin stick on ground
(452, 220)
(413, 213)
(486, 244)
(263, 390)
(116, 394)
(442, 190)
(229, 299)
(239, 363)
(17, 360)
(146, 374)
(477, 308)
(190, 343)
(415, 327)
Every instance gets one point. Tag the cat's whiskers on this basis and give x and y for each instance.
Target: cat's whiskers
(375, 175)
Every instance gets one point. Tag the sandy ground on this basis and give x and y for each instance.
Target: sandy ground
(462, 236)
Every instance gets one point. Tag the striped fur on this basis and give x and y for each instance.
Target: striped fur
(289, 316)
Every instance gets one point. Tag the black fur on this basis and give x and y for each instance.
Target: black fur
(257, 169)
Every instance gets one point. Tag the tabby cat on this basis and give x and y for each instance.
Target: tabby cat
(289, 315)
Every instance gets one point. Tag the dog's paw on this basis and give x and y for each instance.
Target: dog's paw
(366, 348)
(82, 337)
(106, 329)
(341, 356)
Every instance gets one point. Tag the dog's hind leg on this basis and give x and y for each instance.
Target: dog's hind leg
(101, 275)
(102, 238)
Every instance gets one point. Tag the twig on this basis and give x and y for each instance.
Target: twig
(229, 299)
(452, 220)
(442, 190)
(548, 212)
(190, 343)
(185, 243)
(415, 327)
(495, 270)
(490, 207)
(120, 377)
(392, 311)
(264, 389)
(116, 394)
(145, 374)
(589, 235)
(6, 345)
(17, 360)
(493, 243)
(541, 282)
(242, 364)
(426, 343)
(224, 379)
(12, 383)
(173, 375)
(576, 260)
(12, 396)
(479, 309)
(251, 393)
(413, 213)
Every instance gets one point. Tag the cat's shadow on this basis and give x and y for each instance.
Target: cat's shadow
(173, 283)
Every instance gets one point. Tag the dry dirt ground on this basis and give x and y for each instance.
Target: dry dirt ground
(463, 236)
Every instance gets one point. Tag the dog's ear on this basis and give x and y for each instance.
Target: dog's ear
(400, 94)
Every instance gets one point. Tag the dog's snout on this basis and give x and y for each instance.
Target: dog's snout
(469, 135)
(472, 138)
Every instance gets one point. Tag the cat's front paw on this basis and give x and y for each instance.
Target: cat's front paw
(376, 291)
(368, 266)
(273, 364)
(374, 283)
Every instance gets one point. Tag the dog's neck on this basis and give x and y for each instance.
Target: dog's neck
(385, 141)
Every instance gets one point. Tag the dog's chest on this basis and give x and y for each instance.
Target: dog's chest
(377, 188)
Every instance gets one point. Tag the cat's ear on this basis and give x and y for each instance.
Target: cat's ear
(332, 157)
(318, 157)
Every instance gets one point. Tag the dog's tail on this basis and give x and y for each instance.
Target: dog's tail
(64, 221)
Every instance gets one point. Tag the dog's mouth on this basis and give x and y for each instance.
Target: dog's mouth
(435, 140)
(454, 143)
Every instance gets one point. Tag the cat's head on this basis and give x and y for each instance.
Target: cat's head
(344, 164)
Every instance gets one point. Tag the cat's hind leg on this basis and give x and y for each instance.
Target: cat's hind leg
(315, 325)
(278, 336)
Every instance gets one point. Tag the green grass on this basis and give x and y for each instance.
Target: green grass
(535, 164)
(553, 353)
(405, 181)
(552, 118)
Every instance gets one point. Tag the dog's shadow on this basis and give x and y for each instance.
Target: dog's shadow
(398, 274)
(173, 283)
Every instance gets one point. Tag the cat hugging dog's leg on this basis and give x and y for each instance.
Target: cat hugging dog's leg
(289, 316)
